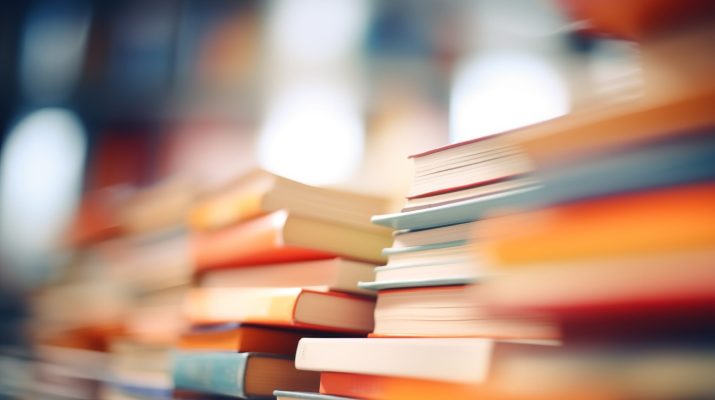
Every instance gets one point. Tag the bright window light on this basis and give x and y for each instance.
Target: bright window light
(497, 92)
(312, 134)
(40, 182)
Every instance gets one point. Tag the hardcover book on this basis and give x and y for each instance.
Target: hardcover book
(244, 375)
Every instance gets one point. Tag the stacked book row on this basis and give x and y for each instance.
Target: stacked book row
(275, 261)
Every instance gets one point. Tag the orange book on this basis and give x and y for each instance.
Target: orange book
(283, 237)
(286, 307)
(674, 219)
(571, 136)
(242, 339)
(373, 387)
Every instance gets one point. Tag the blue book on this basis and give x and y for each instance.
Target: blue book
(242, 375)
(454, 213)
(666, 163)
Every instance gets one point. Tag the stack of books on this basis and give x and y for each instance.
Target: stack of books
(430, 340)
(276, 261)
(618, 246)
(106, 326)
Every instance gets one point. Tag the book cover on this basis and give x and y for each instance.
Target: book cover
(282, 307)
(659, 221)
(245, 375)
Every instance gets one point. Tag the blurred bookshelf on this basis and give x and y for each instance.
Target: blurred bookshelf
(335, 199)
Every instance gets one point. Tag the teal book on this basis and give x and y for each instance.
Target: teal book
(454, 213)
(241, 375)
(284, 394)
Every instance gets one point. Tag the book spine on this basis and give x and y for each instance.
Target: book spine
(210, 372)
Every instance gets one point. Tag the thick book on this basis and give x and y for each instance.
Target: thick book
(337, 274)
(641, 299)
(286, 307)
(463, 165)
(659, 221)
(244, 375)
(460, 360)
(260, 192)
(606, 281)
(284, 237)
(450, 311)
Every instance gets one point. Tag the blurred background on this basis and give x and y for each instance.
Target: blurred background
(104, 100)
(101, 95)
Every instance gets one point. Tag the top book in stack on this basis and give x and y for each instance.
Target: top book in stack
(460, 182)
(260, 192)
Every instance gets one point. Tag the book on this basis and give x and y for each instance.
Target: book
(455, 213)
(244, 375)
(287, 307)
(449, 311)
(608, 281)
(461, 360)
(463, 165)
(337, 274)
(241, 338)
(139, 366)
(674, 219)
(368, 386)
(405, 276)
(260, 192)
(681, 160)
(450, 234)
(149, 261)
(163, 206)
(650, 298)
(440, 199)
(583, 134)
(283, 237)
(287, 395)
(426, 265)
